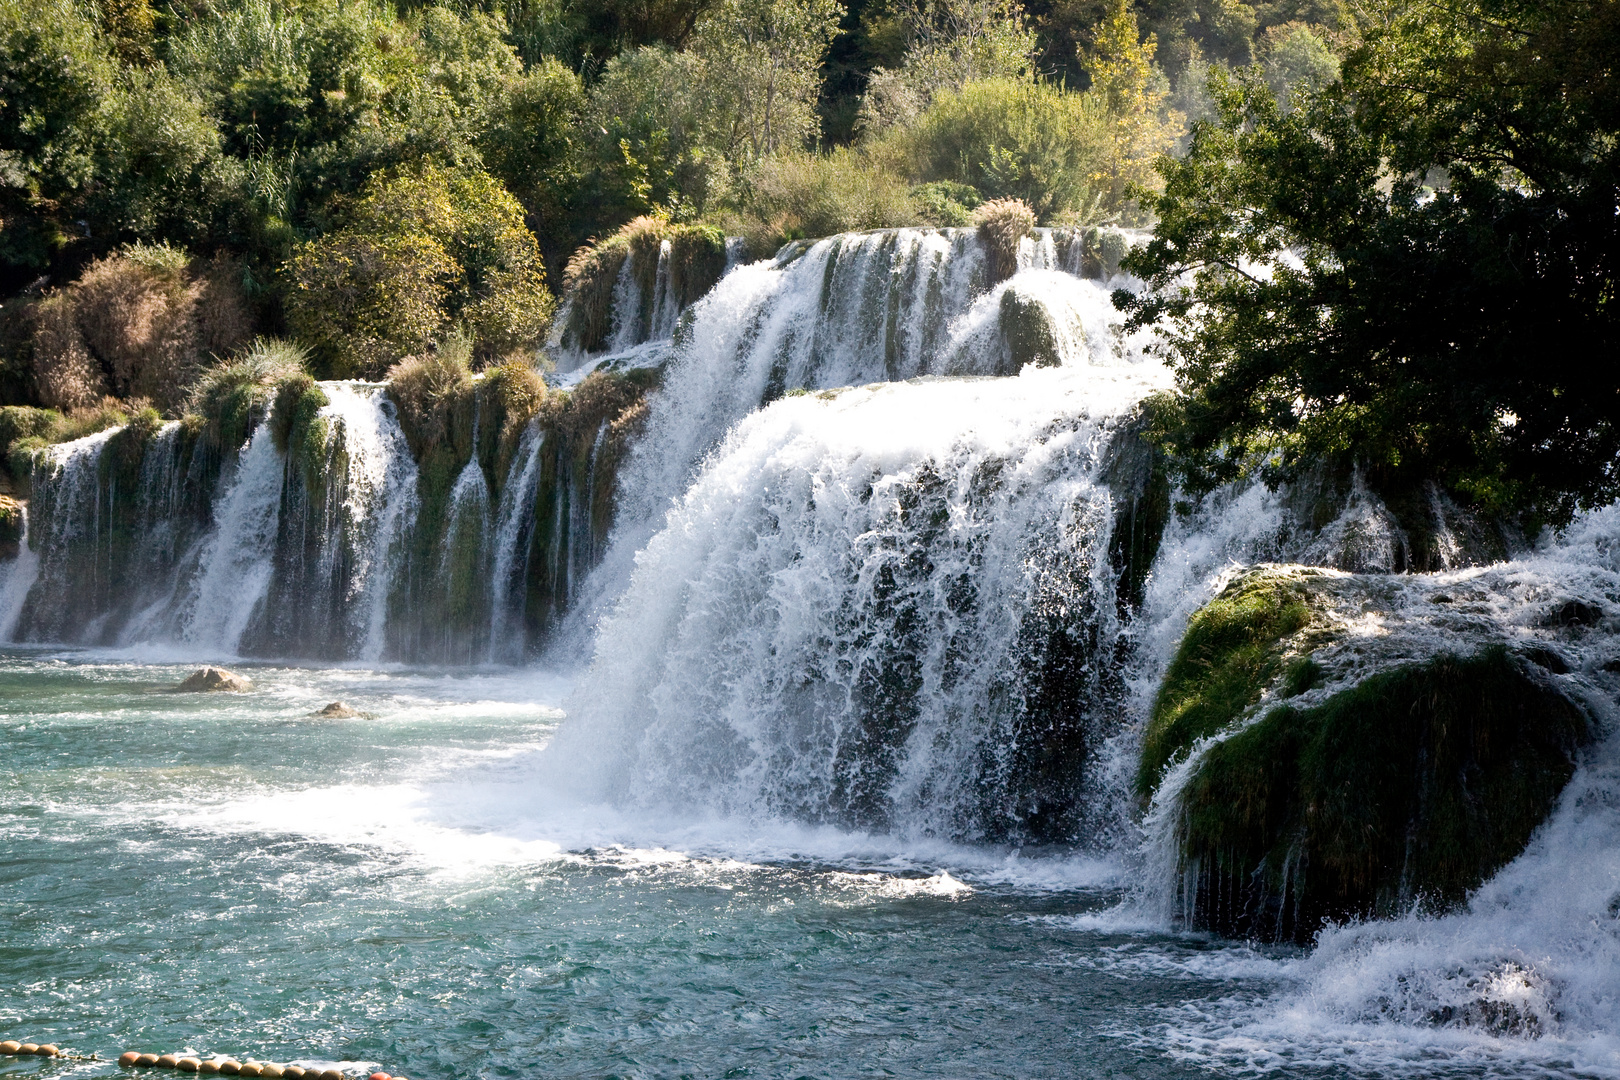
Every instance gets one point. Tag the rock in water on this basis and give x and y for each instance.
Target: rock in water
(336, 711)
(1339, 773)
(212, 678)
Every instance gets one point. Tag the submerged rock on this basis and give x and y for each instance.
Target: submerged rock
(1356, 748)
(208, 679)
(335, 711)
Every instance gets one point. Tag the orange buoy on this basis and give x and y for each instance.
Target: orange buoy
(188, 1064)
(146, 1061)
(230, 1067)
(166, 1061)
(27, 1048)
(128, 1058)
(47, 1050)
(380, 1076)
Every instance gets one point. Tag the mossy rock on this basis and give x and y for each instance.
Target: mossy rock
(1409, 788)
(1235, 647)
(1027, 328)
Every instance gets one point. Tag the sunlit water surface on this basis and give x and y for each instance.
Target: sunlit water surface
(225, 873)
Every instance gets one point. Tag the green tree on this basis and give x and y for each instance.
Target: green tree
(54, 78)
(1334, 307)
(762, 72)
(422, 251)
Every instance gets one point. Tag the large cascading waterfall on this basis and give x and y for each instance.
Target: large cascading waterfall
(895, 607)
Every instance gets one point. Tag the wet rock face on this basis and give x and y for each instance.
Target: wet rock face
(1353, 745)
(209, 679)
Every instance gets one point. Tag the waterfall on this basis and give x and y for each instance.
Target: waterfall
(19, 575)
(237, 562)
(514, 523)
(865, 608)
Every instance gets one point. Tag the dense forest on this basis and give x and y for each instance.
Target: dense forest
(1381, 229)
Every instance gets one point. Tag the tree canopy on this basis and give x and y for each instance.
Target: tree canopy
(1413, 268)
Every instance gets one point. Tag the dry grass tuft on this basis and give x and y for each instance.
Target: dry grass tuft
(1002, 223)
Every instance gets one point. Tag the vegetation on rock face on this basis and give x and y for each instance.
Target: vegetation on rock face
(1233, 650)
(697, 258)
(1412, 787)
(233, 395)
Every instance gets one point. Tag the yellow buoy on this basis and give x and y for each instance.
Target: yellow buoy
(128, 1057)
(188, 1064)
(210, 1066)
(229, 1067)
(166, 1061)
(331, 1074)
(146, 1061)
(10, 1046)
(252, 1068)
(47, 1050)
(27, 1048)
(271, 1069)
(292, 1072)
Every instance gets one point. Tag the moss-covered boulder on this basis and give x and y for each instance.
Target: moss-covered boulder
(1412, 787)
(1030, 334)
(1351, 747)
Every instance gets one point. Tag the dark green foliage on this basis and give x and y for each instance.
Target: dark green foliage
(20, 422)
(1413, 786)
(1232, 651)
(946, 203)
(1398, 340)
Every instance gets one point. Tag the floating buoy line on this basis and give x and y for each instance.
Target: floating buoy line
(214, 1064)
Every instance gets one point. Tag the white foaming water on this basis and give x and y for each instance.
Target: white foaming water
(380, 503)
(828, 627)
(239, 556)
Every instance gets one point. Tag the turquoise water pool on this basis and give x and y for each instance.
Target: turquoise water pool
(226, 874)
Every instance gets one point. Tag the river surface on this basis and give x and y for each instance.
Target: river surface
(226, 874)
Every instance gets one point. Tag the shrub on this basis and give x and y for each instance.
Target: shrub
(1009, 138)
(66, 376)
(361, 302)
(946, 203)
(232, 395)
(139, 323)
(1001, 224)
(792, 196)
(421, 250)
(425, 388)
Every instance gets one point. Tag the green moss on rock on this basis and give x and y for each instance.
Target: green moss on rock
(1412, 787)
(1234, 647)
